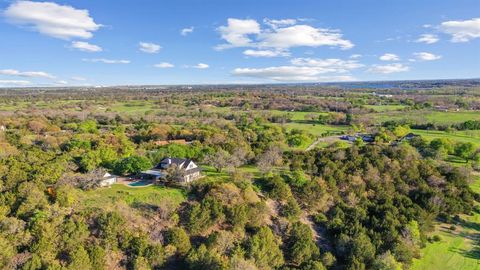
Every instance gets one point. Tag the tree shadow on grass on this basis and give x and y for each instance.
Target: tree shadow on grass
(469, 230)
(310, 122)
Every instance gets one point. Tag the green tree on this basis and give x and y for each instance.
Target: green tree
(178, 238)
(110, 225)
(97, 257)
(89, 161)
(362, 250)
(291, 209)
(386, 261)
(132, 165)
(219, 160)
(300, 244)
(6, 252)
(155, 254)
(202, 258)
(413, 232)
(203, 215)
(140, 263)
(313, 265)
(74, 232)
(89, 126)
(401, 131)
(441, 147)
(264, 248)
(465, 150)
(79, 259)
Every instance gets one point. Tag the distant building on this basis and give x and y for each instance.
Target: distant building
(189, 171)
(444, 108)
(382, 95)
(107, 180)
(368, 138)
(409, 136)
(349, 138)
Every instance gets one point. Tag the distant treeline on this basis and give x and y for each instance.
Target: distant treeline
(467, 125)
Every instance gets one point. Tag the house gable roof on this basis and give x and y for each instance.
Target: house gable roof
(182, 163)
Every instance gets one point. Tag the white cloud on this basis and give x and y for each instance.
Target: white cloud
(106, 61)
(355, 56)
(86, 47)
(279, 23)
(428, 39)
(51, 19)
(148, 47)
(186, 31)
(30, 74)
(5, 83)
(425, 56)
(303, 36)
(61, 82)
(201, 66)
(279, 35)
(387, 69)
(266, 53)
(288, 74)
(327, 65)
(237, 32)
(164, 65)
(389, 57)
(304, 69)
(461, 31)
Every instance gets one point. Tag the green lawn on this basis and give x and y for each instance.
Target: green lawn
(476, 185)
(458, 249)
(132, 107)
(297, 116)
(151, 195)
(427, 116)
(211, 173)
(314, 129)
(386, 108)
(457, 136)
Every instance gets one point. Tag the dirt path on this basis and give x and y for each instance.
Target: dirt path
(308, 221)
(329, 139)
(317, 231)
(274, 209)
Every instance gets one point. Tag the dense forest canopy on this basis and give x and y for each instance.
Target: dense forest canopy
(280, 190)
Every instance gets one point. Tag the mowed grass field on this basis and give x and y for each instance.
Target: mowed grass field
(151, 195)
(386, 108)
(427, 116)
(458, 249)
(472, 136)
(315, 129)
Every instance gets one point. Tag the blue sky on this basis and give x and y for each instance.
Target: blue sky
(46, 43)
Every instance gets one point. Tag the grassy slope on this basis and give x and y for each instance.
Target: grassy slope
(152, 195)
(458, 249)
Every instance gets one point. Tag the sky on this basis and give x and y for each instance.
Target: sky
(151, 42)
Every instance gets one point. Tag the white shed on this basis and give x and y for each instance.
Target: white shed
(108, 180)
